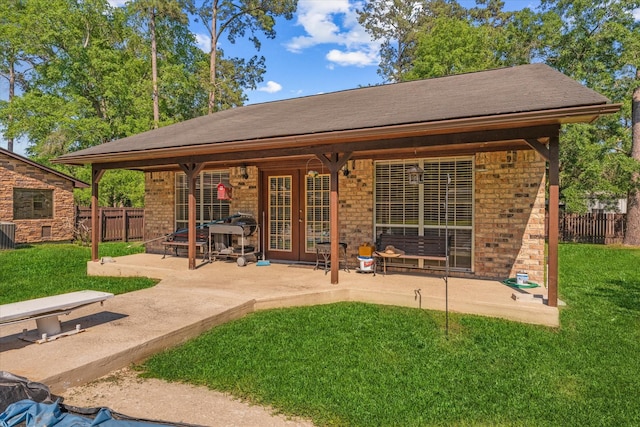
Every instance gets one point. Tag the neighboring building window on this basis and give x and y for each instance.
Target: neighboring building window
(401, 208)
(29, 203)
(208, 207)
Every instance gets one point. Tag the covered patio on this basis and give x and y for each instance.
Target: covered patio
(506, 110)
(130, 327)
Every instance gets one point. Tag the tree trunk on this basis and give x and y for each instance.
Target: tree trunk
(12, 89)
(154, 68)
(632, 233)
(212, 61)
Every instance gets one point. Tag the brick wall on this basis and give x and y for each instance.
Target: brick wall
(160, 200)
(17, 174)
(509, 214)
(356, 207)
(509, 210)
(159, 216)
(245, 197)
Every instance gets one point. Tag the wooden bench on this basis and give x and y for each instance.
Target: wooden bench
(45, 312)
(180, 239)
(412, 247)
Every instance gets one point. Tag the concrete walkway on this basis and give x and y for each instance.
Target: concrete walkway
(133, 326)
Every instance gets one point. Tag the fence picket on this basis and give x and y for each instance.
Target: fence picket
(592, 228)
(116, 224)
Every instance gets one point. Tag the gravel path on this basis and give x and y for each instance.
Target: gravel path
(124, 392)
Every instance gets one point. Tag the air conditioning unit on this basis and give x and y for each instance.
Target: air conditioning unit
(7, 235)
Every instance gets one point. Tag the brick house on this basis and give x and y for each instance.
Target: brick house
(334, 167)
(37, 199)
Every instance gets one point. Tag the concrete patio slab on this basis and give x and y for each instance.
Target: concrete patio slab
(131, 327)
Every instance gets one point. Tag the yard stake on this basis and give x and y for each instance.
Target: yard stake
(446, 251)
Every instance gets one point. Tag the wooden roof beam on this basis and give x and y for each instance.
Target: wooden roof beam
(414, 142)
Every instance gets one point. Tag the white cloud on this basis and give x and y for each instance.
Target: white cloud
(636, 14)
(271, 87)
(334, 22)
(117, 3)
(203, 41)
(357, 58)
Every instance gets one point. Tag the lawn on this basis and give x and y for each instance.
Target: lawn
(358, 364)
(33, 271)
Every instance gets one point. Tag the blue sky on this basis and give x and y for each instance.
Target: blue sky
(322, 49)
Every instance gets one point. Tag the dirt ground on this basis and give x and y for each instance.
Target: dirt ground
(124, 392)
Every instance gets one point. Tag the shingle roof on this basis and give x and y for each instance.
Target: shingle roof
(76, 182)
(520, 89)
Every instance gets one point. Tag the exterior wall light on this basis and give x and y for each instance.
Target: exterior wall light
(243, 172)
(415, 175)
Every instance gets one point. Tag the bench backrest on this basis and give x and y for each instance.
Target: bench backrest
(183, 236)
(414, 245)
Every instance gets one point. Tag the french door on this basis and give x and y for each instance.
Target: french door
(295, 206)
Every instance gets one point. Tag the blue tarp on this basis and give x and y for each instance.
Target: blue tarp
(33, 414)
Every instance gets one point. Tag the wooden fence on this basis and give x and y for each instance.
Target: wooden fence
(116, 224)
(127, 224)
(592, 228)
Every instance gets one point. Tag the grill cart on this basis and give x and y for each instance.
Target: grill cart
(222, 236)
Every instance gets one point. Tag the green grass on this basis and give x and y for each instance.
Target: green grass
(357, 364)
(34, 271)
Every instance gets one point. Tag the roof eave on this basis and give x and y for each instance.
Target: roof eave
(580, 114)
(76, 182)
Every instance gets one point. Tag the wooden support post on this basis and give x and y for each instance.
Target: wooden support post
(554, 217)
(334, 162)
(96, 175)
(192, 170)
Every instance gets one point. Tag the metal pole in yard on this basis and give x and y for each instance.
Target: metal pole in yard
(446, 251)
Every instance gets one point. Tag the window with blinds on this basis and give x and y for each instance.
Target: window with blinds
(317, 211)
(208, 207)
(406, 209)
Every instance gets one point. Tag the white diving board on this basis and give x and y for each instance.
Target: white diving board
(45, 312)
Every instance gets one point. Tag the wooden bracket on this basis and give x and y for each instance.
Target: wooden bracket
(541, 148)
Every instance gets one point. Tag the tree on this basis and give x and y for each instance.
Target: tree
(18, 55)
(452, 46)
(598, 44)
(236, 18)
(481, 38)
(85, 77)
(118, 188)
(632, 233)
(396, 24)
(151, 11)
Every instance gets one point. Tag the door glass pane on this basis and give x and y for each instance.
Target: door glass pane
(317, 211)
(280, 211)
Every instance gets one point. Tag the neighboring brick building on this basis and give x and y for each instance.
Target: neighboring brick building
(37, 199)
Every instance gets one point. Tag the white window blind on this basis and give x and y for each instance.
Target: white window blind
(317, 211)
(208, 207)
(406, 209)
